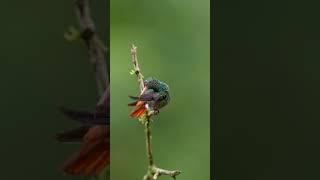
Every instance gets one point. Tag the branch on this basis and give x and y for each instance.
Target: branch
(153, 171)
(97, 51)
(136, 67)
(148, 143)
(159, 172)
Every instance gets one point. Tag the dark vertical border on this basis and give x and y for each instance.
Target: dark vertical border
(108, 69)
(108, 37)
(212, 90)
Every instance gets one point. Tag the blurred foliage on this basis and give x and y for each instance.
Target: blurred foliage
(173, 45)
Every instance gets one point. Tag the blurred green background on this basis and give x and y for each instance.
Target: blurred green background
(173, 45)
(39, 72)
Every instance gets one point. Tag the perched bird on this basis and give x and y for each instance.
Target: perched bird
(94, 135)
(154, 96)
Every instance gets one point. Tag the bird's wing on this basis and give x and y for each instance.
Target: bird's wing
(73, 135)
(99, 117)
(152, 96)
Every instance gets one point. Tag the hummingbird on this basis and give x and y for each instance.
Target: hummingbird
(93, 134)
(155, 95)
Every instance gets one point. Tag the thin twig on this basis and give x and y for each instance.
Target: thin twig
(97, 54)
(148, 143)
(153, 171)
(136, 67)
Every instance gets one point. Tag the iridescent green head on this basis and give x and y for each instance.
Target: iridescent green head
(156, 85)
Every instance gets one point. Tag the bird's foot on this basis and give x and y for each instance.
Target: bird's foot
(153, 112)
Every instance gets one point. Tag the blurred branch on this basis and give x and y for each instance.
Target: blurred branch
(97, 49)
(95, 134)
(97, 54)
(153, 171)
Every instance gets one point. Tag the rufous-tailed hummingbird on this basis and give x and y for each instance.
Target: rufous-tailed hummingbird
(154, 96)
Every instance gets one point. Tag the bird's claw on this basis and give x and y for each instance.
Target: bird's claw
(153, 112)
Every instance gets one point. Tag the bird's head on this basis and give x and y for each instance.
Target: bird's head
(155, 84)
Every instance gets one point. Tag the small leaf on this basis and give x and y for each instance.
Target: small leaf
(72, 34)
(132, 72)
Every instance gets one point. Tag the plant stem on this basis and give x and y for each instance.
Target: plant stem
(97, 51)
(148, 142)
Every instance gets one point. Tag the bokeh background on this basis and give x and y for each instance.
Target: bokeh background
(40, 71)
(173, 45)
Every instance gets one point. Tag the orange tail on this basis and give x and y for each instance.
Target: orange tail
(87, 163)
(91, 159)
(139, 109)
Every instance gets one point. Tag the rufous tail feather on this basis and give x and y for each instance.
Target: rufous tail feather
(93, 156)
(139, 109)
